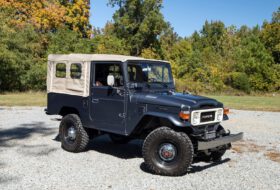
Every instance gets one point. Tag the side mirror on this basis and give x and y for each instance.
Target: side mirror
(110, 80)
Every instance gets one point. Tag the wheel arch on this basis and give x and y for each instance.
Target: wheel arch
(153, 120)
(68, 110)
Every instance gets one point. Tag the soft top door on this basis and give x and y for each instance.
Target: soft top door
(107, 106)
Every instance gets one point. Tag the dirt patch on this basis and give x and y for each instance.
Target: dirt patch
(247, 146)
(250, 146)
(273, 156)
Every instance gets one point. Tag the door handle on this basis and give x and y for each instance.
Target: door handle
(95, 101)
(120, 92)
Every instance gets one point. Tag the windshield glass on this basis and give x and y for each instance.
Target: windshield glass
(149, 72)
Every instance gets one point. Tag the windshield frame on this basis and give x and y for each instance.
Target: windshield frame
(152, 84)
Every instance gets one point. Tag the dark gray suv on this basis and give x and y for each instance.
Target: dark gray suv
(134, 98)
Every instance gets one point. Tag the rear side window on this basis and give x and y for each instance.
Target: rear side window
(76, 71)
(60, 71)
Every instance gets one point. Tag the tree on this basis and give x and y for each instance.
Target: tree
(106, 42)
(253, 59)
(139, 23)
(44, 15)
(270, 36)
(213, 35)
(20, 52)
(180, 56)
(167, 40)
(77, 16)
(67, 41)
(49, 15)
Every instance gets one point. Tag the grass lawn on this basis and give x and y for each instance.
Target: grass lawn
(264, 103)
(23, 99)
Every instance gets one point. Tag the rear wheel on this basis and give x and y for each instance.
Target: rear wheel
(74, 137)
(167, 152)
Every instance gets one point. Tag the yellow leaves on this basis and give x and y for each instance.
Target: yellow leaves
(47, 15)
(150, 53)
(78, 16)
(44, 15)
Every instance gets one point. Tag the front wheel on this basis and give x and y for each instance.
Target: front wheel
(167, 152)
(74, 137)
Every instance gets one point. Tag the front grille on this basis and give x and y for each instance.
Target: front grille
(207, 116)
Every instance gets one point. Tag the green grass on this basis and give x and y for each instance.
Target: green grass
(264, 103)
(23, 99)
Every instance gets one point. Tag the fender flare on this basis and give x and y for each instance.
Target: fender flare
(171, 117)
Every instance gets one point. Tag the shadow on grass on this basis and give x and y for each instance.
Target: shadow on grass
(24, 131)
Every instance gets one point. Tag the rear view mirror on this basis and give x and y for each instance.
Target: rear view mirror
(110, 80)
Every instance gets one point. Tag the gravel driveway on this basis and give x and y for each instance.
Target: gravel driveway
(31, 157)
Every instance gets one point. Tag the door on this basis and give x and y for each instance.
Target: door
(108, 102)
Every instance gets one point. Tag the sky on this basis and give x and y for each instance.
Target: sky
(187, 16)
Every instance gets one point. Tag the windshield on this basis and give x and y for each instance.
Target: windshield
(147, 72)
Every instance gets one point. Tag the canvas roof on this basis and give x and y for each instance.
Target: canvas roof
(94, 57)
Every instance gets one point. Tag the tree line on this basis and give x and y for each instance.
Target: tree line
(217, 58)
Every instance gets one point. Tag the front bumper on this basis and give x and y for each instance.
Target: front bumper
(205, 145)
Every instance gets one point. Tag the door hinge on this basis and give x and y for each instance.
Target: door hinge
(122, 115)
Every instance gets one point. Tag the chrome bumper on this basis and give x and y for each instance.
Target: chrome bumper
(204, 145)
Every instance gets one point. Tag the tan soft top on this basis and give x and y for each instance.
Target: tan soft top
(94, 57)
(80, 86)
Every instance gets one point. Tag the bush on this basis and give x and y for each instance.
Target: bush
(240, 81)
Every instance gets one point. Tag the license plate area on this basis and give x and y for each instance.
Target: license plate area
(207, 116)
(210, 135)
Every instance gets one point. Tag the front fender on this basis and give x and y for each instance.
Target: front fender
(171, 117)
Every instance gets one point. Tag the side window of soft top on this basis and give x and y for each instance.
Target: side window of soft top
(76, 70)
(60, 70)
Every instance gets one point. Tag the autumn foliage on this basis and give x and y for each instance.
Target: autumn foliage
(217, 58)
(49, 15)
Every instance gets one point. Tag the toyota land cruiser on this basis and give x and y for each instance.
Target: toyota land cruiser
(134, 98)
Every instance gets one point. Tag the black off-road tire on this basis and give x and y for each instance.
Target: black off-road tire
(180, 164)
(82, 138)
(119, 139)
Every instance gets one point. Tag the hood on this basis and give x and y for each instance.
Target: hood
(177, 100)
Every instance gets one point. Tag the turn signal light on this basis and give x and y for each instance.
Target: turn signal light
(184, 115)
(226, 111)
